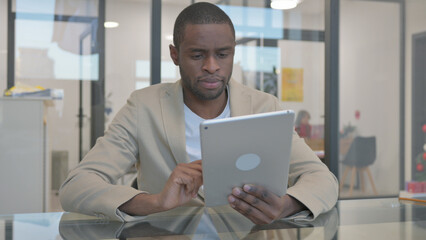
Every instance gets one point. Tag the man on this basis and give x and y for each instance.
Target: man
(156, 130)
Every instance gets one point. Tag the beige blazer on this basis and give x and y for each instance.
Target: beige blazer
(149, 131)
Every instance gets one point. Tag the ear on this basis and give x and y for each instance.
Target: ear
(174, 54)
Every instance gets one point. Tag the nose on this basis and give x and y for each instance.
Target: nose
(210, 64)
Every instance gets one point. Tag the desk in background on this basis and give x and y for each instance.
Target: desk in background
(350, 219)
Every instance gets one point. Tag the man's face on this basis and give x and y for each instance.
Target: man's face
(205, 58)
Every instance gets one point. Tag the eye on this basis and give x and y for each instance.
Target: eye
(222, 55)
(196, 56)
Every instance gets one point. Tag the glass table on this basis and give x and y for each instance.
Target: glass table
(350, 219)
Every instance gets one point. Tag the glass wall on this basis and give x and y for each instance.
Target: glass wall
(169, 12)
(415, 42)
(127, 52)
(301, 73)
(58, 45)
(278, 51)
(370, 67)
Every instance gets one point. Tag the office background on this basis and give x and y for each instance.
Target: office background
(358, 83)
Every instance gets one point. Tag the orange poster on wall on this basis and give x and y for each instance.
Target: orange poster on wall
(292, 84)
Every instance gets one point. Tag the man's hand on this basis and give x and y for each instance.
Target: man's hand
(262, 206)
(181, 187)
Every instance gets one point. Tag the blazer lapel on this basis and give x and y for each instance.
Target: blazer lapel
(240, 101)
(174, 121)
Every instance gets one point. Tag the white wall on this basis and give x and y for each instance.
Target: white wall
(124, 46)
(415, 23)
(3, 46)
(369, 81)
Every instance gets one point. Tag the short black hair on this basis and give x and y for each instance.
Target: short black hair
(199, 13)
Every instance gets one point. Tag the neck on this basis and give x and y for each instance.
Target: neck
(207, 109)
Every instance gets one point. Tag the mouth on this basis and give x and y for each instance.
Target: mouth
(210, 83)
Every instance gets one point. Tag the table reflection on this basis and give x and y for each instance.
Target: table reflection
(350, 219)
(199, 223)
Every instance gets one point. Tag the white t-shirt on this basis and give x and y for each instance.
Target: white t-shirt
(192, 130)
(193, 149)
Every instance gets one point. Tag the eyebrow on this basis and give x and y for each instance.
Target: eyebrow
(204, 50)
(196, 50)
(224, 48)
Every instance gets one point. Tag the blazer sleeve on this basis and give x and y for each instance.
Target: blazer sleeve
(310, 180)
(90, 187)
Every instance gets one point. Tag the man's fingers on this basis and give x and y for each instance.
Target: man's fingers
(250, 199)
(198, 162)
(186, 182)
(190, 168)
(261, 193)
(259, 197)
(189, 175)
(182, 185)
(195, 165)
(195, 176)
(252, 213)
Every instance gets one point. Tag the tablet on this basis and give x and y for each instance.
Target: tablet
(251, 149)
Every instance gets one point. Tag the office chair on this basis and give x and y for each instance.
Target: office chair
(361, 154)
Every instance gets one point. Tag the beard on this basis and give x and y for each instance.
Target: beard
(201, 93)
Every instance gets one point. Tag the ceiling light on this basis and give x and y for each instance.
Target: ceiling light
(284, 4)
(111, 24)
